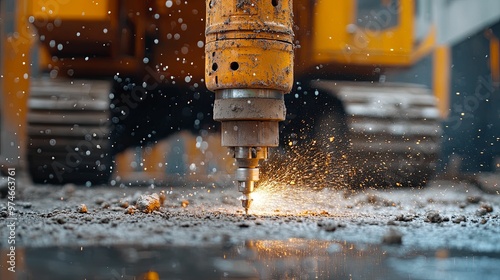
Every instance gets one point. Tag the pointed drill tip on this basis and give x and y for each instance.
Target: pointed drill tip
(246, 205)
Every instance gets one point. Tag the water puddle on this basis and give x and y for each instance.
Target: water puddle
(259, 259)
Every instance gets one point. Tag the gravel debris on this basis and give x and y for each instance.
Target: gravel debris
(60, 220)
(184, 203)
(434, 217)
(472, 199)
(99, 201)
(300, 214)
(82, 208)
(243, 225)
(123, 203)
(487, 207)
(405, 218)
(130, 210)
(459, 219)
(148, 203)
(328, 226)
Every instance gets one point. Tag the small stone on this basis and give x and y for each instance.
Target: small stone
(124, 203)
(148, 203)
(130, 210)
(105, 205)
(328, 226)
(404, 218)
(473, 199)
(481, 212)
(487, 207)
(483, 221)
(243, 225)
(434, 217)
(82, 208)
(184, 203)
(163, 197)
(105, 220)
(459, 219)
(60, 220)
(99, 201)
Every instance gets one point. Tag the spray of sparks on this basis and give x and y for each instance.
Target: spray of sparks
(304, 178)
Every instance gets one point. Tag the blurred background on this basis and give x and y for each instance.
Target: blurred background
(113, 91)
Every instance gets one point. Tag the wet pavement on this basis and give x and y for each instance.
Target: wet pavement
(449, 230)
(261, 259)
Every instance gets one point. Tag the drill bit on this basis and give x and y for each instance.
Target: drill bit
(247, 173)
(246, 201)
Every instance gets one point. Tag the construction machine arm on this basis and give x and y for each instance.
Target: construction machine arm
(249, 66)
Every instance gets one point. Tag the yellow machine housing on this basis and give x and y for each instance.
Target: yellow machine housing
(158, 45)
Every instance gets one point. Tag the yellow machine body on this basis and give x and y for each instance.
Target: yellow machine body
(15, 63)
(163, 42)
(110, 36)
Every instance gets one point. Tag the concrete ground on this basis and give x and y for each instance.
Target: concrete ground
(448, 230)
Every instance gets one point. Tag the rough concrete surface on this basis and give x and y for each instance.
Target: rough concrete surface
(451, 222)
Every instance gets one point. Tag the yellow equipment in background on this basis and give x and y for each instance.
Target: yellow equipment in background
(119, 74)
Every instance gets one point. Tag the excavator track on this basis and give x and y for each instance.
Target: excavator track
(68, 131)
(393, 130)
